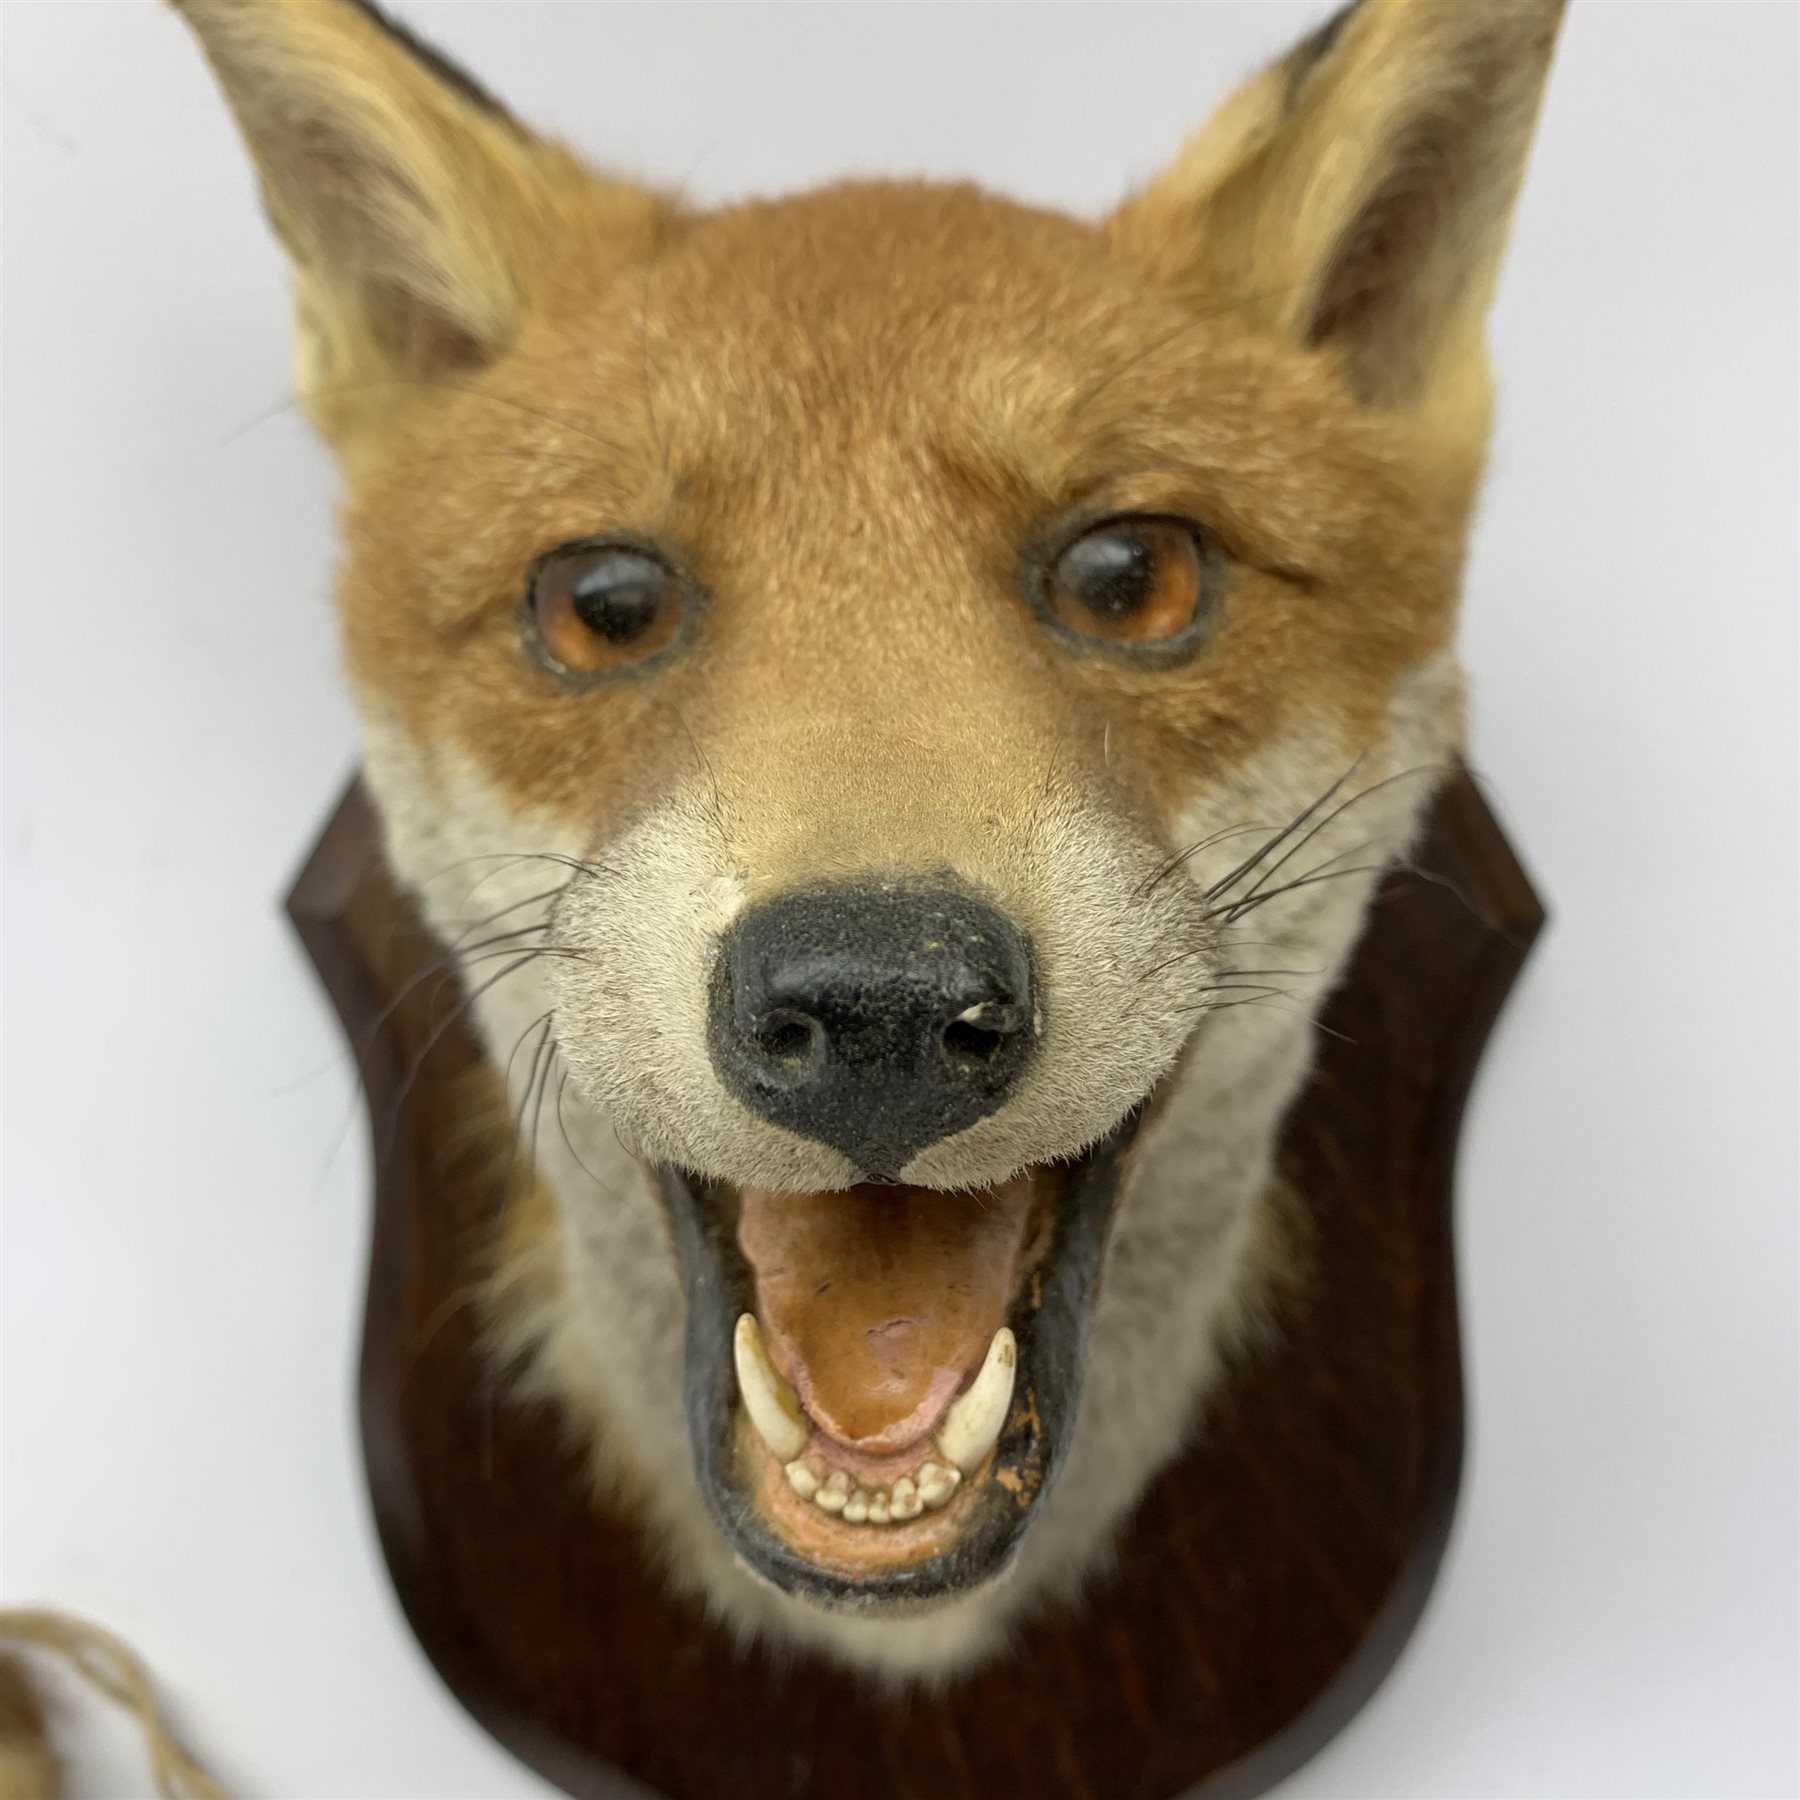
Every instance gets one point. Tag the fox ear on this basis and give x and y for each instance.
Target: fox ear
(415, 209)
(1354, 196)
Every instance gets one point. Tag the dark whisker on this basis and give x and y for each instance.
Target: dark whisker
(405, 923)
(569, 1143)
(1272, 972)
(1337, 811)
(563, 952)
(500, 912)
(1182, 856)
(1226, 882)
(541, 1065)
(1198, 950)
(593, 871)
(539, 1028)
(1404, 865)
(541, 1022)
(1393, 866)
(363, 1043)
(432, 1040)
(1270, 1000)
(1251, 902)
(441, 968)
(1243, 987)
(459, 957)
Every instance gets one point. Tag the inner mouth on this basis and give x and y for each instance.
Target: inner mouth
(881, 1382)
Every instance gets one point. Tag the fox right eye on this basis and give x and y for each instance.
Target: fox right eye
(603, 605)
(1132, 582)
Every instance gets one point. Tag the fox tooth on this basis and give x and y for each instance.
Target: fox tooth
(802, 1480)
(971, 1427)
(856, 1508)
(834, 1496)
(768, 1399)
(904, 1502)
(937, 1484)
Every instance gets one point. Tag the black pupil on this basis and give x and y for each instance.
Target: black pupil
(618, 594)
(1112, 572)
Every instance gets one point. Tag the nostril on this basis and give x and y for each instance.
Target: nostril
(789, 1037)
(976, 1037)
(971, 1043)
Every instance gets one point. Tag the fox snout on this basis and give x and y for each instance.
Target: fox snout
(875, 1018)
(941, 998)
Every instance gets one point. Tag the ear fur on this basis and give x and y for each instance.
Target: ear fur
(1355, 195)
(413, 206)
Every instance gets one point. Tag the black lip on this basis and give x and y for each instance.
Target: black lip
(1050, 1320)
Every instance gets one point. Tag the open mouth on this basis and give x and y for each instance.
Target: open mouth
(881, 1383)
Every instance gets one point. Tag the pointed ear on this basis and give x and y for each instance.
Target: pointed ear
(1355, 195)
(415, 209)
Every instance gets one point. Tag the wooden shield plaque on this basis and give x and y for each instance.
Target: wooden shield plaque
(1265, 1586)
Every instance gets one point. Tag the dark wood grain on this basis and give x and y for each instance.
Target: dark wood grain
(1265, 1586)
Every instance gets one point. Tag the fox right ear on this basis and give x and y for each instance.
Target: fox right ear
(414, 207)
(1354, 196)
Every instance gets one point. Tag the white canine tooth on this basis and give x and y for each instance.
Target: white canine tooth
(971, 1427)
(856, 1508)
(768, 1399)
(904, 1503)
(834, 1495)
(937, 1484)
(802, 1480)
(878, 1508)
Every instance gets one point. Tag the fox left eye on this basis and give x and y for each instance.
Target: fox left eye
(1129, 580)
(595, 606)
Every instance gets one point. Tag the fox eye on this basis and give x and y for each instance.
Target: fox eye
(1130, 580)
(596, 606)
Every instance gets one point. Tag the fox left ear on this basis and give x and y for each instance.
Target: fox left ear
(419, 215)
(1355, 195)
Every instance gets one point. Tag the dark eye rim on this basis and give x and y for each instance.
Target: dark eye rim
(1039, 559)
(693, 604)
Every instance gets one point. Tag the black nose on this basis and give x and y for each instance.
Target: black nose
(875, 1019)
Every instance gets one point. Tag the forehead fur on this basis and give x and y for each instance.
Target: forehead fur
(849, 414)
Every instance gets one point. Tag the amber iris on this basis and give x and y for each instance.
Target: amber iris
(1136, 580)
(597, 607)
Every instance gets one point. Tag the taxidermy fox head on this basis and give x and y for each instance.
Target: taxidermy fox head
(899, 701)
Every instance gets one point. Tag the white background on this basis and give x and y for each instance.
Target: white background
(185, 1176)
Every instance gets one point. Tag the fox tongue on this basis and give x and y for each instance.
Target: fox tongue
(879, 1303)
